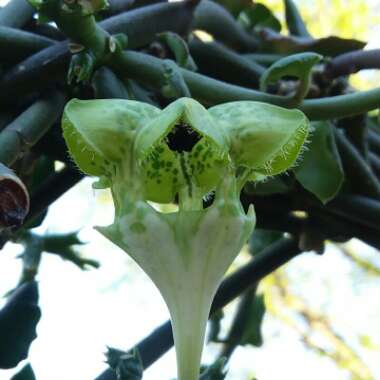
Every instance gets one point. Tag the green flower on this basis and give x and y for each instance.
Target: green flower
(146, 154)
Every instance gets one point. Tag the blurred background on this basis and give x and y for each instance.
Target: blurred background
(322, 312)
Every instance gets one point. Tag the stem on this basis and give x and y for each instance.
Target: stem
(374, 141)
(354, 163)
(342, 105)
(141, 25)
(220, 62)
(160, 340)
(16, 13)
(20, 44)
(352, 62)
(29, 127)
(216, 20)
(263, 59)
(294, 20)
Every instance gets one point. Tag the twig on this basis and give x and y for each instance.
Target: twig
(141, 25)
(363, 210)
(352, 62)
(216, 20)
(161, 339)
(53, 188)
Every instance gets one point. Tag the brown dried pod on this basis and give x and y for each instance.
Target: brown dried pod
(14, 199)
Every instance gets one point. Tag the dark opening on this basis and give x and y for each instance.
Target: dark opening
(182, 138)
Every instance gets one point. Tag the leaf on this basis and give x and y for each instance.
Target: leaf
(252, 334)
(127, 365)
(179, 48)
(258, 16)
(264, 138)
(25, 374)
(18, 321)
(216, 371)
(329, 46)
(320, 170)
(62, 245)
(260, 239)
(297, 65)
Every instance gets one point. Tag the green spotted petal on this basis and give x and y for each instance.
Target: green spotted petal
(170, 170)
(100, 133)
(264, 138)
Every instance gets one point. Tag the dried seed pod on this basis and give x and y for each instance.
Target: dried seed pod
(14, 199)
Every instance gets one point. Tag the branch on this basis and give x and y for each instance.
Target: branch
(161, 340)
(363, 210)
(22, 44)
(220, 62)
(50, 190)
(352, 62)
(356, 165)
(141, 25)
(29, 127)
(294, 20)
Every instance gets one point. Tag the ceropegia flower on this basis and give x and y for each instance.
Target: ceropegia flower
(143, 153)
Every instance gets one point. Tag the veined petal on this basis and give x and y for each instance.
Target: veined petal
(98, 132)
(264, 137)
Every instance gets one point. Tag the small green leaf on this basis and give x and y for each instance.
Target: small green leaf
(127, 365)
(25, 374)
(264, 138)
(216, 371)
(175, 86)
(321, 171)
(260, 239)
(179, 48)
(259, 16)
(297, 65)
(252, 335)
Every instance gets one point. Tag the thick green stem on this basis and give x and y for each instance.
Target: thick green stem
(294, 20)
(29, 127)
(220, 62)
(216, 20)
(20, 44)
(16, 13)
